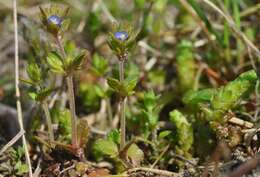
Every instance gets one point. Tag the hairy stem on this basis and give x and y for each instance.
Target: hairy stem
(122, 105)
(71, 97)
(48, 120)
(17, 90)
(72, 110)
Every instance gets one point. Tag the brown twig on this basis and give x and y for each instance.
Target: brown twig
(154, 171)
(245, 167)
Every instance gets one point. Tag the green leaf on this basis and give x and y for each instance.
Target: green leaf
(129, 84)
(55, 62)
(82, 132)
(106, 147)
(99, 65)
(164, 133)
(76, 62)
(63, 119)
(114, 84)
(44, 93)
(194, 98)
(33, 95)
(34, 72)
(135, 154)
(21, 168)
(226, 97)
(114, 135)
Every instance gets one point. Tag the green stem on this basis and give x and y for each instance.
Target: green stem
(71, 97)
(48, 120)
(122, 105)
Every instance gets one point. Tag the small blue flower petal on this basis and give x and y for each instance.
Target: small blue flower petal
(54, 19)
(121, 35)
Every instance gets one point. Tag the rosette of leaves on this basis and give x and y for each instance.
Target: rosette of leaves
(54, 19)
(216, 102)
(122, 39)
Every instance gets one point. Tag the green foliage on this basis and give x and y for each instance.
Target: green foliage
(20, 167)
(99, 65)
(146, 119)
(184, 133)
(91, 96)
(62, 118)
(226, 97)
(68, 65)
(34, 72)
(194, 99)
(215, 102)
(122, 47)
(114, 135)
(186, 66)
(55, 62)
(106, 147)
(124, 88)
(60, 12)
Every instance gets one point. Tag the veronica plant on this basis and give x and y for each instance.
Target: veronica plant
(39, 92)
(121, 40)
(63, 62)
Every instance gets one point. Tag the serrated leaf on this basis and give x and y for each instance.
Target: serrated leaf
(77, 62)
(34, 72)
(55, 62)
(106, 147)
(114, 84)
(129, 84)
(44, 93)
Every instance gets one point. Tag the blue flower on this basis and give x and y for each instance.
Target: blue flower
(54, 20)
(121, 35)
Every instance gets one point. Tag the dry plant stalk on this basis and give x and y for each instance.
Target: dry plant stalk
(17, 90)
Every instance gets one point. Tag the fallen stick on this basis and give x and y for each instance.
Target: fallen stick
(12, 141)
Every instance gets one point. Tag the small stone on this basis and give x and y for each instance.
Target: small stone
(55, 20)
(121, 35)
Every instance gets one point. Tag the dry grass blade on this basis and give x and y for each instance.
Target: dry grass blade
(12, 141)
(17, 90)
(232, 25)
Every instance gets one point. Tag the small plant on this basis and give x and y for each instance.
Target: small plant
(62, 61)
(121, 40)
(39, 92)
